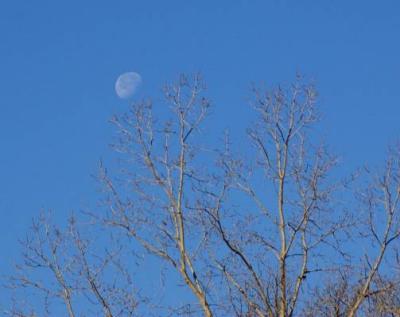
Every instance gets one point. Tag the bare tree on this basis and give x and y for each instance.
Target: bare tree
(287, 226)
(160, 213)
(65, 268)
(271, 231)
(370, 286)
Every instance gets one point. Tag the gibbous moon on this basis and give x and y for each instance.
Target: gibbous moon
(127, 84)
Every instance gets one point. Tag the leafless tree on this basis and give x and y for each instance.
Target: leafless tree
(62, 266)
(370, 287)
(287, 230)
(267, 231)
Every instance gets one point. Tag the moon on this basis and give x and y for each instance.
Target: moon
(127, 84)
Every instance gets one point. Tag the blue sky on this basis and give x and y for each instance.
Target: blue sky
(59, 61)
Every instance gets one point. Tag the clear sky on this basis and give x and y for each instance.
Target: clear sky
(59, 61)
